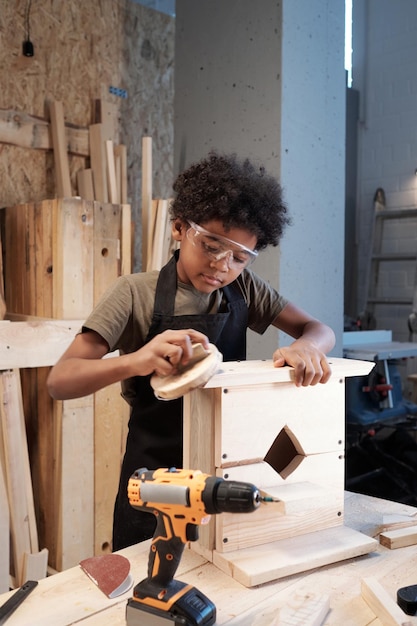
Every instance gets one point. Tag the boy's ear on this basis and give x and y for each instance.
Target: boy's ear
(178, 230)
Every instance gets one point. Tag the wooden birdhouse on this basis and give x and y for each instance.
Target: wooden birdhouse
(251, 423)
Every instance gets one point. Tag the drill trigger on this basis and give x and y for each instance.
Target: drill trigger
(191, 532)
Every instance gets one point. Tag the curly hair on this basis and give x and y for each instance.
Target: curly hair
(233, 190)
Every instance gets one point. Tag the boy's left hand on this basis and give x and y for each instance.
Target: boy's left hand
(310, 364)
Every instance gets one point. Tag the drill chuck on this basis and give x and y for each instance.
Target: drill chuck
(229, 496)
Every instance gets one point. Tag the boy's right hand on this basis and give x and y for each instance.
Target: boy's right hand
(166, 351)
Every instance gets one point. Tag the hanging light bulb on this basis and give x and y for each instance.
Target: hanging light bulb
(27, 47)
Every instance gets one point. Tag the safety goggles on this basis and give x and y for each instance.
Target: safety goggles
(218, 248)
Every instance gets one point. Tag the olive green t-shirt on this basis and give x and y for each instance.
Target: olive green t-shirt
(124, 313)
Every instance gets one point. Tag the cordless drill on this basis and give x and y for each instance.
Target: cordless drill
(180, 499)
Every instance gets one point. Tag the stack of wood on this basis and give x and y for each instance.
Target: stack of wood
(74, 248)
(106, 178)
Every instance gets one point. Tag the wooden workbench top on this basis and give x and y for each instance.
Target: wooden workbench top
(71, 598)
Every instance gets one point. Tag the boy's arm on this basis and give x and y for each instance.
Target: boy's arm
(307, 354)
(82, 370)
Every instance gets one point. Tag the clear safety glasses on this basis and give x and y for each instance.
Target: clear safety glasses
(218, 248)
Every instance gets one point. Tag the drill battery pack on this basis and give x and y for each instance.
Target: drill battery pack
(192, 608)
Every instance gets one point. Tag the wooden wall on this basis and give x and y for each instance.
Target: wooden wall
(80, 50)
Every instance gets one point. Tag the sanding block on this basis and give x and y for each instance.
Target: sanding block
(198, 371)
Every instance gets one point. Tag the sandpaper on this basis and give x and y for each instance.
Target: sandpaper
(110, 572)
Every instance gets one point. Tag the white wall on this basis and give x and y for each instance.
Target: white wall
(270, 84)
(384, 73)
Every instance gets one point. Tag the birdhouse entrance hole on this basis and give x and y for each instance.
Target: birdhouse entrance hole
(286, 453)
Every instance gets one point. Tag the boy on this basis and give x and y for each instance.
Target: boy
(225, 211)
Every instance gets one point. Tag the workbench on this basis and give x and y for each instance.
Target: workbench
(70, 597)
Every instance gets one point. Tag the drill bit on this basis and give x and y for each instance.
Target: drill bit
(266, 497)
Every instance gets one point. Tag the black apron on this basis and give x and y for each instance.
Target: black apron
(155, 427)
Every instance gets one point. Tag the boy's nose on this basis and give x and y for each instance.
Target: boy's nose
(224, 259)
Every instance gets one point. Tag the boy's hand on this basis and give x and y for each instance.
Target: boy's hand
(310, 364)
(165, 352)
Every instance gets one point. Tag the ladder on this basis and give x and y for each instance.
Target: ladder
(378, 292)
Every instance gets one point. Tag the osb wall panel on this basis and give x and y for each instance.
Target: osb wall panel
(81, 49)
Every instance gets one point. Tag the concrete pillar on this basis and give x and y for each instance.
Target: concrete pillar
(266, 80)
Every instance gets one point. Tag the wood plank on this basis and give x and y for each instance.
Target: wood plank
(98, 162)
(399, 538)
(110, 428)
(326, 469)
(152, 218)
(18, 479)
(111, 172)
(35, 565)
(35, 344)
(73, 273)
(120, 151)
(73, 279)
(28, 131)
(105, 113)
(261, 564)
(382, 604)
(117, 169)
(126, 240)
(159, 234)
(107, 223)
(85, 184)
(62, 174)
(304, 508)
(110, 410)
(15, 266)
(169, 244)
(44, 456)
(196, 404)
(146, 197)
(3, 307)
(262, 371)
(76, 487)
(286, 430)
(41, 258)
(28, 277)
(4, 525)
